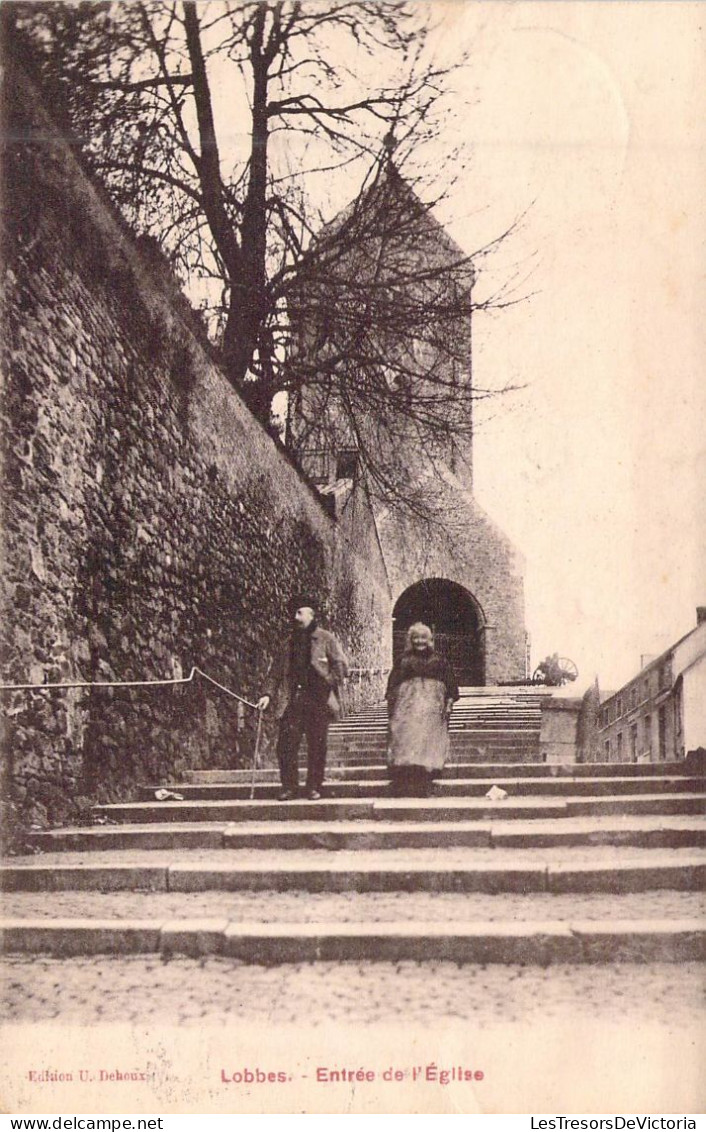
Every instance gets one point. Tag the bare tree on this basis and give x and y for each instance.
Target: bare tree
(381, 356)
(216, 126)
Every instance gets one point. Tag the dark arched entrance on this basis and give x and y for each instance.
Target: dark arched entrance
(456, 619)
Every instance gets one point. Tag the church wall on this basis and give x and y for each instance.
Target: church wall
(454, 540)
(149, 523)
(472, 551)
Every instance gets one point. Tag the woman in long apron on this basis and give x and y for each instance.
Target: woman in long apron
(421, 692)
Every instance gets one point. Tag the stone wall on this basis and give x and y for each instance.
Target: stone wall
(589, 749)
(559, 734)
(467, 548)
(149, 523)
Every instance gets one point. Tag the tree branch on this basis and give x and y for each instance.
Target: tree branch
(208, 164)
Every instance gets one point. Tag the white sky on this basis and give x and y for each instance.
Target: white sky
(594, 111)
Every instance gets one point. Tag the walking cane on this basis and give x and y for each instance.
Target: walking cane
(256, 753)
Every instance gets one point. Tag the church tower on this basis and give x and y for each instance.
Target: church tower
(383, 373)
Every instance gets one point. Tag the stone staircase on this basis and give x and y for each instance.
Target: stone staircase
(488, 725)
(580, 863)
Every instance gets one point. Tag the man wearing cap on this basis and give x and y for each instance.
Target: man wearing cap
(305, 685)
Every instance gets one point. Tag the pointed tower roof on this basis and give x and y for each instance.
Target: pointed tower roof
(390, 204)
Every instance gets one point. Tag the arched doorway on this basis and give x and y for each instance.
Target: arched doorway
(456, 620)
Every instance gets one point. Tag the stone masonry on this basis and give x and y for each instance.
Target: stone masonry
(149, 523)
(473, 552)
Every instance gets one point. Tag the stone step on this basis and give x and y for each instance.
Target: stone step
(344, 810)
(340, 907)
(463, 752)
(489, 694)
(507, 690)
(383, 873)
(632, 832)
(428, 809)
(482, 697)
(516, 718)
(470, 699)
(472, 754)
(345, 772)
(447, 788)
(459, 719)
(459, 744)
(458, 729)
(540, 942)
(568, 771)
(372, 738)
(503, 692)
(460, 748)
(463, 711)
(623, 831)
(515, 730)
(462, 707)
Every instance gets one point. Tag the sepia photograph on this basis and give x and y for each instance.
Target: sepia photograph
(353, 556)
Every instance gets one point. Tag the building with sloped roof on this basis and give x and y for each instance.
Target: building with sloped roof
(660, 714)
(388, 301)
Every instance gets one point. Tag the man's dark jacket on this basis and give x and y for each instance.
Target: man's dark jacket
(328, 661)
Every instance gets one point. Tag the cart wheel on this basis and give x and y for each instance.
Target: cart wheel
(569, 671)
(566, 673)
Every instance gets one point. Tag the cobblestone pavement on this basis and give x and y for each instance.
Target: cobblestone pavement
(217, 991)
(348, 907)
(446, 857)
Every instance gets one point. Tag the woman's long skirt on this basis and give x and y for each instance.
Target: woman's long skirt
(419, 734)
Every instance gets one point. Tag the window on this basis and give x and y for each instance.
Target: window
(647, 734)
(665, 674)
(607, 750)
(662, 720)
(620, 746)
(315, 464)
(633, 743)
(678, 708)
(347, 464)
